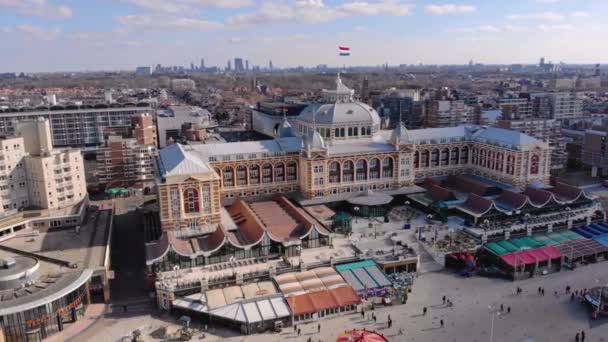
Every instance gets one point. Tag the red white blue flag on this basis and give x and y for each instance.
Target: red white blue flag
(344, 51)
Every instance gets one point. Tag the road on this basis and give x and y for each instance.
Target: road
(547, 318)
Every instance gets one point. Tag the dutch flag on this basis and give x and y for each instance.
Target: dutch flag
(344, 51)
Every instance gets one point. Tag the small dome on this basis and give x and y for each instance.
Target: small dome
(314, 140)
(285, 130)
(400, 135)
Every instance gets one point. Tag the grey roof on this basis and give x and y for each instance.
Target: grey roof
(340, 113)
(400, 135)
(285, 130)
(204, 151)
(501, 135)
(61, 285)
(175, 160)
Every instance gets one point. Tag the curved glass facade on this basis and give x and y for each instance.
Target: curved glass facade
(45, 320)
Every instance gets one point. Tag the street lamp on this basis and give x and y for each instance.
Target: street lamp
(526, 218)
(407, 203)
(356, 209)
(568, 212)
(494, 314)
(299, 249)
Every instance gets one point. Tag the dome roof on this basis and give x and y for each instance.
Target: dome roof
(400, 135)
(340, 113)
(314, 140)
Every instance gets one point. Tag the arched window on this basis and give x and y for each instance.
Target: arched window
(191, 201)
(292, 171)
(425, 158)
(500, 160)
(241, 175)
(361, 170)
(387, 167)
(510, 165)
(334, 172)
(435, 157)
(254, 174)
(534, 165)
(228, 176)
(348, 171)
(279, 172)
(454, 156)
(374, 168)
(464, 155)
(266, 173)
(445, 154)
(416, 160)
(483, 157)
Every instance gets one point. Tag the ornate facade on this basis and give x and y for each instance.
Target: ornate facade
(336, 147)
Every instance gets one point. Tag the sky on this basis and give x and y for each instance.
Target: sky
(73, 35)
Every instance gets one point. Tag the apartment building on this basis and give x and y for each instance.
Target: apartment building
(126, 160)
(55, 177)
(144, 129)
(13, 181)
(515, 108)
(566, 105)
(448, 113)
(547, 130)
(76, 126)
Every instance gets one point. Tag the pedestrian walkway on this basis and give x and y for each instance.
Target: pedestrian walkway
(93, 313)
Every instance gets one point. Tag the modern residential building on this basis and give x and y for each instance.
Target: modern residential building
(400, 104)
(566, 105)
(515, 108)
(548, 130)
(449, 113)
(76, 126)
(171, 121)
(41, 186)
(144, 129)
(182, 85)
(127, 162)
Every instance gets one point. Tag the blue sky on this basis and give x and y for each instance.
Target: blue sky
(63, 35)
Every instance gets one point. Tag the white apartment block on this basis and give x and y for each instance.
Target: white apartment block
(54, 178)
(13, 179)
(566, 105)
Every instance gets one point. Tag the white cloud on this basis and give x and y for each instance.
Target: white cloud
(37, 8)
(359, 28)
(449, 9)
(315, 11)
(546, 16)
(580, 14)
(516, 28)
(562, 27)
(177, 6)
(476, 29)
(38, 32)
(387, 7)
(147, 22)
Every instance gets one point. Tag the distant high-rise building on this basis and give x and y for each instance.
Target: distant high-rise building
(270, 65)
(202, 64)
(470, 63)
(542, 62)
(238, 65)
(247, 65)
(228, 66)
(597, 70)
(143, 70)
(191, 66)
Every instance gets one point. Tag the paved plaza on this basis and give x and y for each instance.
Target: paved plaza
(532, 317)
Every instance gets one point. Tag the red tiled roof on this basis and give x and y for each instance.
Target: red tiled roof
(439, 194)
(566, 193)
(280, 224)
(322, 300)
(156, 249)
(468, 184)
(538, 197)
(209, 242)
(476, 204)
(511, 200)
(250, 229)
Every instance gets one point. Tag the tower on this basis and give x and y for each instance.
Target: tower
(597, 70)
(247, 65)
(270, 65)
(228, 67)
(542, 62)
(202, 64)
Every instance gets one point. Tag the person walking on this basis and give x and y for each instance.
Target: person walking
(502, 307)
(441, 322)
(443, 299)
(299, 331)
(508, 309)
(582, 335)
(572, 297)
(424, 311)
(576, 337)
(319, 328)
(295, 328)
(362, 313)
(374, 317)
(539, 289)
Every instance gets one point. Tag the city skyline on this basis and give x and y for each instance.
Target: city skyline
(65, 35)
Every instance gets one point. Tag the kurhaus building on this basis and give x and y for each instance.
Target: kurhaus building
(334, 149)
